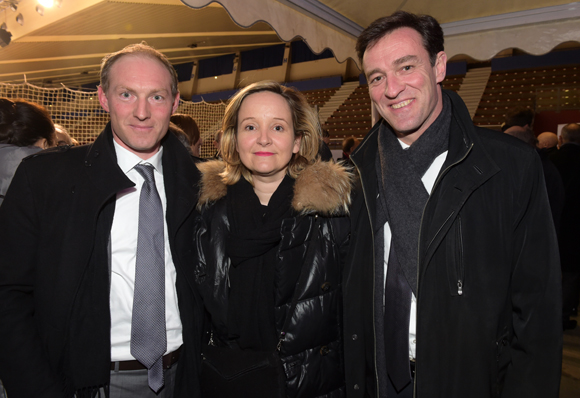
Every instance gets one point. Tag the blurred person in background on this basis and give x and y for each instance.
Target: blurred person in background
(63, 137)
(567, 160)
(548, 142)
(324, 152)
(349, 144)
(25, 128)
(181, 136)
(189, 126)
(519, 116)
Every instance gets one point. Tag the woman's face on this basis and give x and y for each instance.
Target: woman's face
(265, 135)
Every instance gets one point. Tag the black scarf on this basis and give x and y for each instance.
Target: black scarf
(255, 234)
(402, 193)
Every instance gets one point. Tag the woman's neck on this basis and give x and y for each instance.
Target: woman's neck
(265, 188)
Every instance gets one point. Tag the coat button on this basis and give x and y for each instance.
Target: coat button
(356, 387)
(324, 350)
(326, 286)
(354, 337)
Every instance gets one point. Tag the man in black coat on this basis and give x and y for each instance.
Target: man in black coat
(452, 283)
(567, 161)
(70, 242)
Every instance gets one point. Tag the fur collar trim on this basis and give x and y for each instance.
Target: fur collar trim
(323, 187)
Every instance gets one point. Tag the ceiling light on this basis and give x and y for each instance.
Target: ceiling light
(40, 10)
(20, 19)
(46, 3)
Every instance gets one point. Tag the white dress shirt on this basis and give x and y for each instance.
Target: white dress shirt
(124, 233)
(428, 181)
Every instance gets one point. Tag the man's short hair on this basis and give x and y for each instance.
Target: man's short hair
(181, 136)
(425, 25)
(349, 143)
(139, 49)
(188, 125)
(571, 133)
(519, 116)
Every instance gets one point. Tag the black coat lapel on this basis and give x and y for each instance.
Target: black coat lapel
(181, 183)
(94, 183)
(466, 168)
(364, 159)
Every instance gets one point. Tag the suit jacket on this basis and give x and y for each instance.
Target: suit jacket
(47, 239)
(488, 293)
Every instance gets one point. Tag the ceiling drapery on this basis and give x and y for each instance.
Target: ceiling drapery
(288, 23)
(534, 26)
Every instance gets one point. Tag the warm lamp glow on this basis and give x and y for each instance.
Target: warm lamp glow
(46, 3)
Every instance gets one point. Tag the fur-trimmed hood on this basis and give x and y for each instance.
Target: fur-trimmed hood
(323, 187)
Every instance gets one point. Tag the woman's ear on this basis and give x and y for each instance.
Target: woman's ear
(297, 142)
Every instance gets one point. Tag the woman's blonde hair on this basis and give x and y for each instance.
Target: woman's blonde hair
(304, 121)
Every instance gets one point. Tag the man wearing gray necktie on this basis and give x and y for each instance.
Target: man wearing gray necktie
(148, 332)
(109, 307)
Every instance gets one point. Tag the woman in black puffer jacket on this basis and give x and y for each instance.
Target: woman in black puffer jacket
(260, 209)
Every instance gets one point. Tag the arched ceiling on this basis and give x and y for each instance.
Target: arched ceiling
(67, 43)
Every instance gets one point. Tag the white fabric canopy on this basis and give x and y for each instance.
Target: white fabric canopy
(536, 31)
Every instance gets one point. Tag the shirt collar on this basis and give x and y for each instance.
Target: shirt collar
(127, 160)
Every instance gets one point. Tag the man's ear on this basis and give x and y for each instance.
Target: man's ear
(175, 103)
(441, 66)
(103, 98)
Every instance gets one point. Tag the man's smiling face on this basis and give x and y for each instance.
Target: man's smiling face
(140, 103)
(402, 83)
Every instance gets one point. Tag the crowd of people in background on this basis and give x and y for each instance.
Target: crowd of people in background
(560, 157)
(433, 259)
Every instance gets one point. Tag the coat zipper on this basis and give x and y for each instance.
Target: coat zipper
(460, 268)
(419, 249)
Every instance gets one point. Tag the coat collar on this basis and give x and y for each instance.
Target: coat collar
(467, 167)
(107, 178)
(104, 175)
(181, 181)
(322, 187)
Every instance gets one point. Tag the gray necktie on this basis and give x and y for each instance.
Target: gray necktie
(148, 335)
